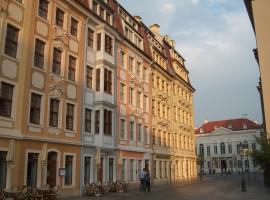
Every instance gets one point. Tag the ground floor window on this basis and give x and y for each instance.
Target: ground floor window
(32, 165)
(123, 170)
(110, 169)
(131, 172)
(155, 169)
(3, 168)
(160, 169)
(87, 169)
(69, 169)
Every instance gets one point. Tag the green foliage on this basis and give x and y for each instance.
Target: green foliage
(262, 156)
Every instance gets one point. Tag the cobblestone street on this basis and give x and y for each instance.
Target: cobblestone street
(211, 188)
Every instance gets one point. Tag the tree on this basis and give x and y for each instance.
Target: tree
(262, 157)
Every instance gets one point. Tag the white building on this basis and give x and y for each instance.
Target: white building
(219, 143)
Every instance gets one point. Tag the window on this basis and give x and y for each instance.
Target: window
(35, 108)
(74, 27)
(107, 81)
(71, 68)
(68, 169)
(146, 134)
(59, 19)
(215, 149)
(131, 130)
(87, 168)
(107, 122)
(87, 118)
(89, 77)
(160, 169)
(131, 64)
(230, 148)
(90, 38)
(101, 12)
(201, 150)
(57, 54)
(222, 148)
(153, 107)
(165, 169)
(155, 168)
(39, 54)
(108, 44)
(123, 170)
(98, 41)
(108, 18)
(145, 103)
(244, 126)
(3, 168)
(131, 173)
(6, 99)
(122, 92)
(131, 96)
(94, 7)
(70, 116)
(43, 8)
(54, 109)
(154, 136)
(139, 69)
(122, 58)
(97, 79)
(144, 73)
(97, 118)
(11, 43)
(253, 146)
(32, 168)
(139, 132)
(139, 94)
(123, 128)
(208, 150)
(238, 148)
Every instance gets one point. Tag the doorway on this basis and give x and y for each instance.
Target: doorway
(3, 168)
(51, 168)
(32, 165)
(223, 166)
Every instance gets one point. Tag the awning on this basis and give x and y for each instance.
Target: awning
(11, 153)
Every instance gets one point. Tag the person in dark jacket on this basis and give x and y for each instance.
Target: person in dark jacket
(147, 180)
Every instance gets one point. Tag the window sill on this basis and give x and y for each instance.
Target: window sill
(43, 19)
(68, 186)
(72, 82)
(39, 69)
(12, 58)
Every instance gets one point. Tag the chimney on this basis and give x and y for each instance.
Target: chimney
(205, 121)
(154, 28)
(138, 18)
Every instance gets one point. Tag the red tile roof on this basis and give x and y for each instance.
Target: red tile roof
(232, 124)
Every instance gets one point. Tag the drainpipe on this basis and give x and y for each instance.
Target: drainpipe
(82, 110)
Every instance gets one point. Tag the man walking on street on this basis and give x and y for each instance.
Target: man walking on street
(142, 179)
(147, 180)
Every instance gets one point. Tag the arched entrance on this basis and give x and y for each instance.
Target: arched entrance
(51, 168)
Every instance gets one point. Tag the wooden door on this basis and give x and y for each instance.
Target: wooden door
(51, 169)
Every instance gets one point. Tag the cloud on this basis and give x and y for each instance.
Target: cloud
(168, 7)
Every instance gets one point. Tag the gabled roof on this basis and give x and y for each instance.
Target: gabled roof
(232, 124)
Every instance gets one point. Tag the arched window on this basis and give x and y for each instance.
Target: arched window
(201, 150)
(222, 148)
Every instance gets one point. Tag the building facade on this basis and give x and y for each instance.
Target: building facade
(172, 112)
(89, 93)
(218, 142)
(258, 13)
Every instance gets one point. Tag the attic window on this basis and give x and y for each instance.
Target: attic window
(201, 130)
(229, 126)
(216, 127)
(244, 126)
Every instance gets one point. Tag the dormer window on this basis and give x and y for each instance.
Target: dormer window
(201, 130)
(216, 127)
(230, 126)
(244, 126)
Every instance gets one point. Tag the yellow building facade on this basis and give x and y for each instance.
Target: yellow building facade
(172, 113)
(41, 76)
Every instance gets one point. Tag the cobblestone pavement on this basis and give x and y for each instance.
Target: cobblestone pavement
(211, 188)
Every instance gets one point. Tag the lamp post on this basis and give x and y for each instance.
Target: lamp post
(243, 178)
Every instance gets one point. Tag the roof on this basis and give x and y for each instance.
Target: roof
(232, 124)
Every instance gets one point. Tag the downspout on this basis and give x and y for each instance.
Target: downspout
(82, 110)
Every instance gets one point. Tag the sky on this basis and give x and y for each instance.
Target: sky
(216, 39)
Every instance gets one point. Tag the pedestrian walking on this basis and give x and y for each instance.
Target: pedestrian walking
(147, 181)
(142, 179)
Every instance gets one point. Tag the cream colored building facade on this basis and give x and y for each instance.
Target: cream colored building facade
(258, 11)
(172, 112)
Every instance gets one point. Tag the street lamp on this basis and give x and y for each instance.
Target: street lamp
(243, 178)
